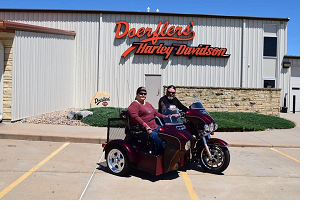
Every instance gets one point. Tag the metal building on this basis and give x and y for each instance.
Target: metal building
(205, 50)
(291, 87)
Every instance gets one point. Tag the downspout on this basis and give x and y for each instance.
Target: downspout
(242, 55)
(1, 79)
(99, 55)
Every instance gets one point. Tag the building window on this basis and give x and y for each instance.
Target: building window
(270, 46)
(269, 83)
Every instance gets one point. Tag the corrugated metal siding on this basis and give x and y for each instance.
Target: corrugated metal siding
(42, 73)
(253, 53)
(86, 27)
(286, 80)
(283, 75)
(121, 77)
(295, 62)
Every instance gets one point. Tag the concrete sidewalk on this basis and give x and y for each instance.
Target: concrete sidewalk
(55, 133)
(86, 134)
(268, 138)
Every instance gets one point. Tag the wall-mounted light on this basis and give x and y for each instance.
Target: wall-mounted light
(286, 64)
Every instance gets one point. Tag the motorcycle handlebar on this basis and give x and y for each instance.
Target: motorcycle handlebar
(157, 119)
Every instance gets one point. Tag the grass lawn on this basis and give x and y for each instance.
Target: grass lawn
(237, 121)
(241, 121)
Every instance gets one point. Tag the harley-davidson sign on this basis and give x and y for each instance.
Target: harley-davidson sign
(162, 32)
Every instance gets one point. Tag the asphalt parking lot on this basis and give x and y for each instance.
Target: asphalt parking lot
(38, 170)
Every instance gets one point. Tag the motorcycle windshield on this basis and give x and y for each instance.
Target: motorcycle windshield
(196, 104)
(172, 115)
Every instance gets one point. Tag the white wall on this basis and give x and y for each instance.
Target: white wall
(126, 74)
(98, 63)
(290, 81)
(86, 26)
(122, 76)
(43, 76)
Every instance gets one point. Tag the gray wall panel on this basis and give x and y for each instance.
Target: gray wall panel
(127, 74)
(286, 79)
(86, 41)
(98, 59)
(42, 67)
(282, 73)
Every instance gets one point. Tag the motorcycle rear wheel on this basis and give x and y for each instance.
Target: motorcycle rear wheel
(117, 161)
(219, 162)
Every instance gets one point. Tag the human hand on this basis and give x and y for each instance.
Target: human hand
(175, 115)
(149, 131)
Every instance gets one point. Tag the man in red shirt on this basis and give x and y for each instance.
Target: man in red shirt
(140, 112)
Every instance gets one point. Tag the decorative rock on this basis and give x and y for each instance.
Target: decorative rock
(78, 115)
(57, 118)
(71, 115)
(82, 114)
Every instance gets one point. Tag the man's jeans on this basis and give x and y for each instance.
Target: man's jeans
(160, 144)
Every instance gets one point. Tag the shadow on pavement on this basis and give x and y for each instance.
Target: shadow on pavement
(149, 177)
(141, 174)
(195, 167)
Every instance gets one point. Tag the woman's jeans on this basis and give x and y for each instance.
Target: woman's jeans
(160, 144)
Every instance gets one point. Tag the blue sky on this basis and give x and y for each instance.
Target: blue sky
(261, 8)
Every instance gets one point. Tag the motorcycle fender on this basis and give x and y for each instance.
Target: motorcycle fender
(220, 142)
(123, 144)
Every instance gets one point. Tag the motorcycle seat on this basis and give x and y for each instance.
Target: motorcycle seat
(137, 135)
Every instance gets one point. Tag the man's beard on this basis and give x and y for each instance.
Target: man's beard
(170, 98)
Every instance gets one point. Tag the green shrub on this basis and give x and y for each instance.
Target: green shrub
(227, 121)
(101, 115)
(241, 121)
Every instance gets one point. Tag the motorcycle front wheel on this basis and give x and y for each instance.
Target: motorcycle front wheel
(218, 162)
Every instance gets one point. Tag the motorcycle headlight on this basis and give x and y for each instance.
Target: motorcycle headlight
(188, 145)
(211, 127)
(207, 128)
(215, 126)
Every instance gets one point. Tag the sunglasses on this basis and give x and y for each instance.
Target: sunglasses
(171, 92)
(143, 93)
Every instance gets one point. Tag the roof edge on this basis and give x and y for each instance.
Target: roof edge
(8, 26)
(144, 13)
(292, 56)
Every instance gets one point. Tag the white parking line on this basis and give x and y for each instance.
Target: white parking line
(91, 177)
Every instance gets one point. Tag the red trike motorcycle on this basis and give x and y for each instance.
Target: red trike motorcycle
(188, 141)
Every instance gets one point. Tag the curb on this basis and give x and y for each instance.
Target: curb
(102, 140)
(52, 138)
(269, 146)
